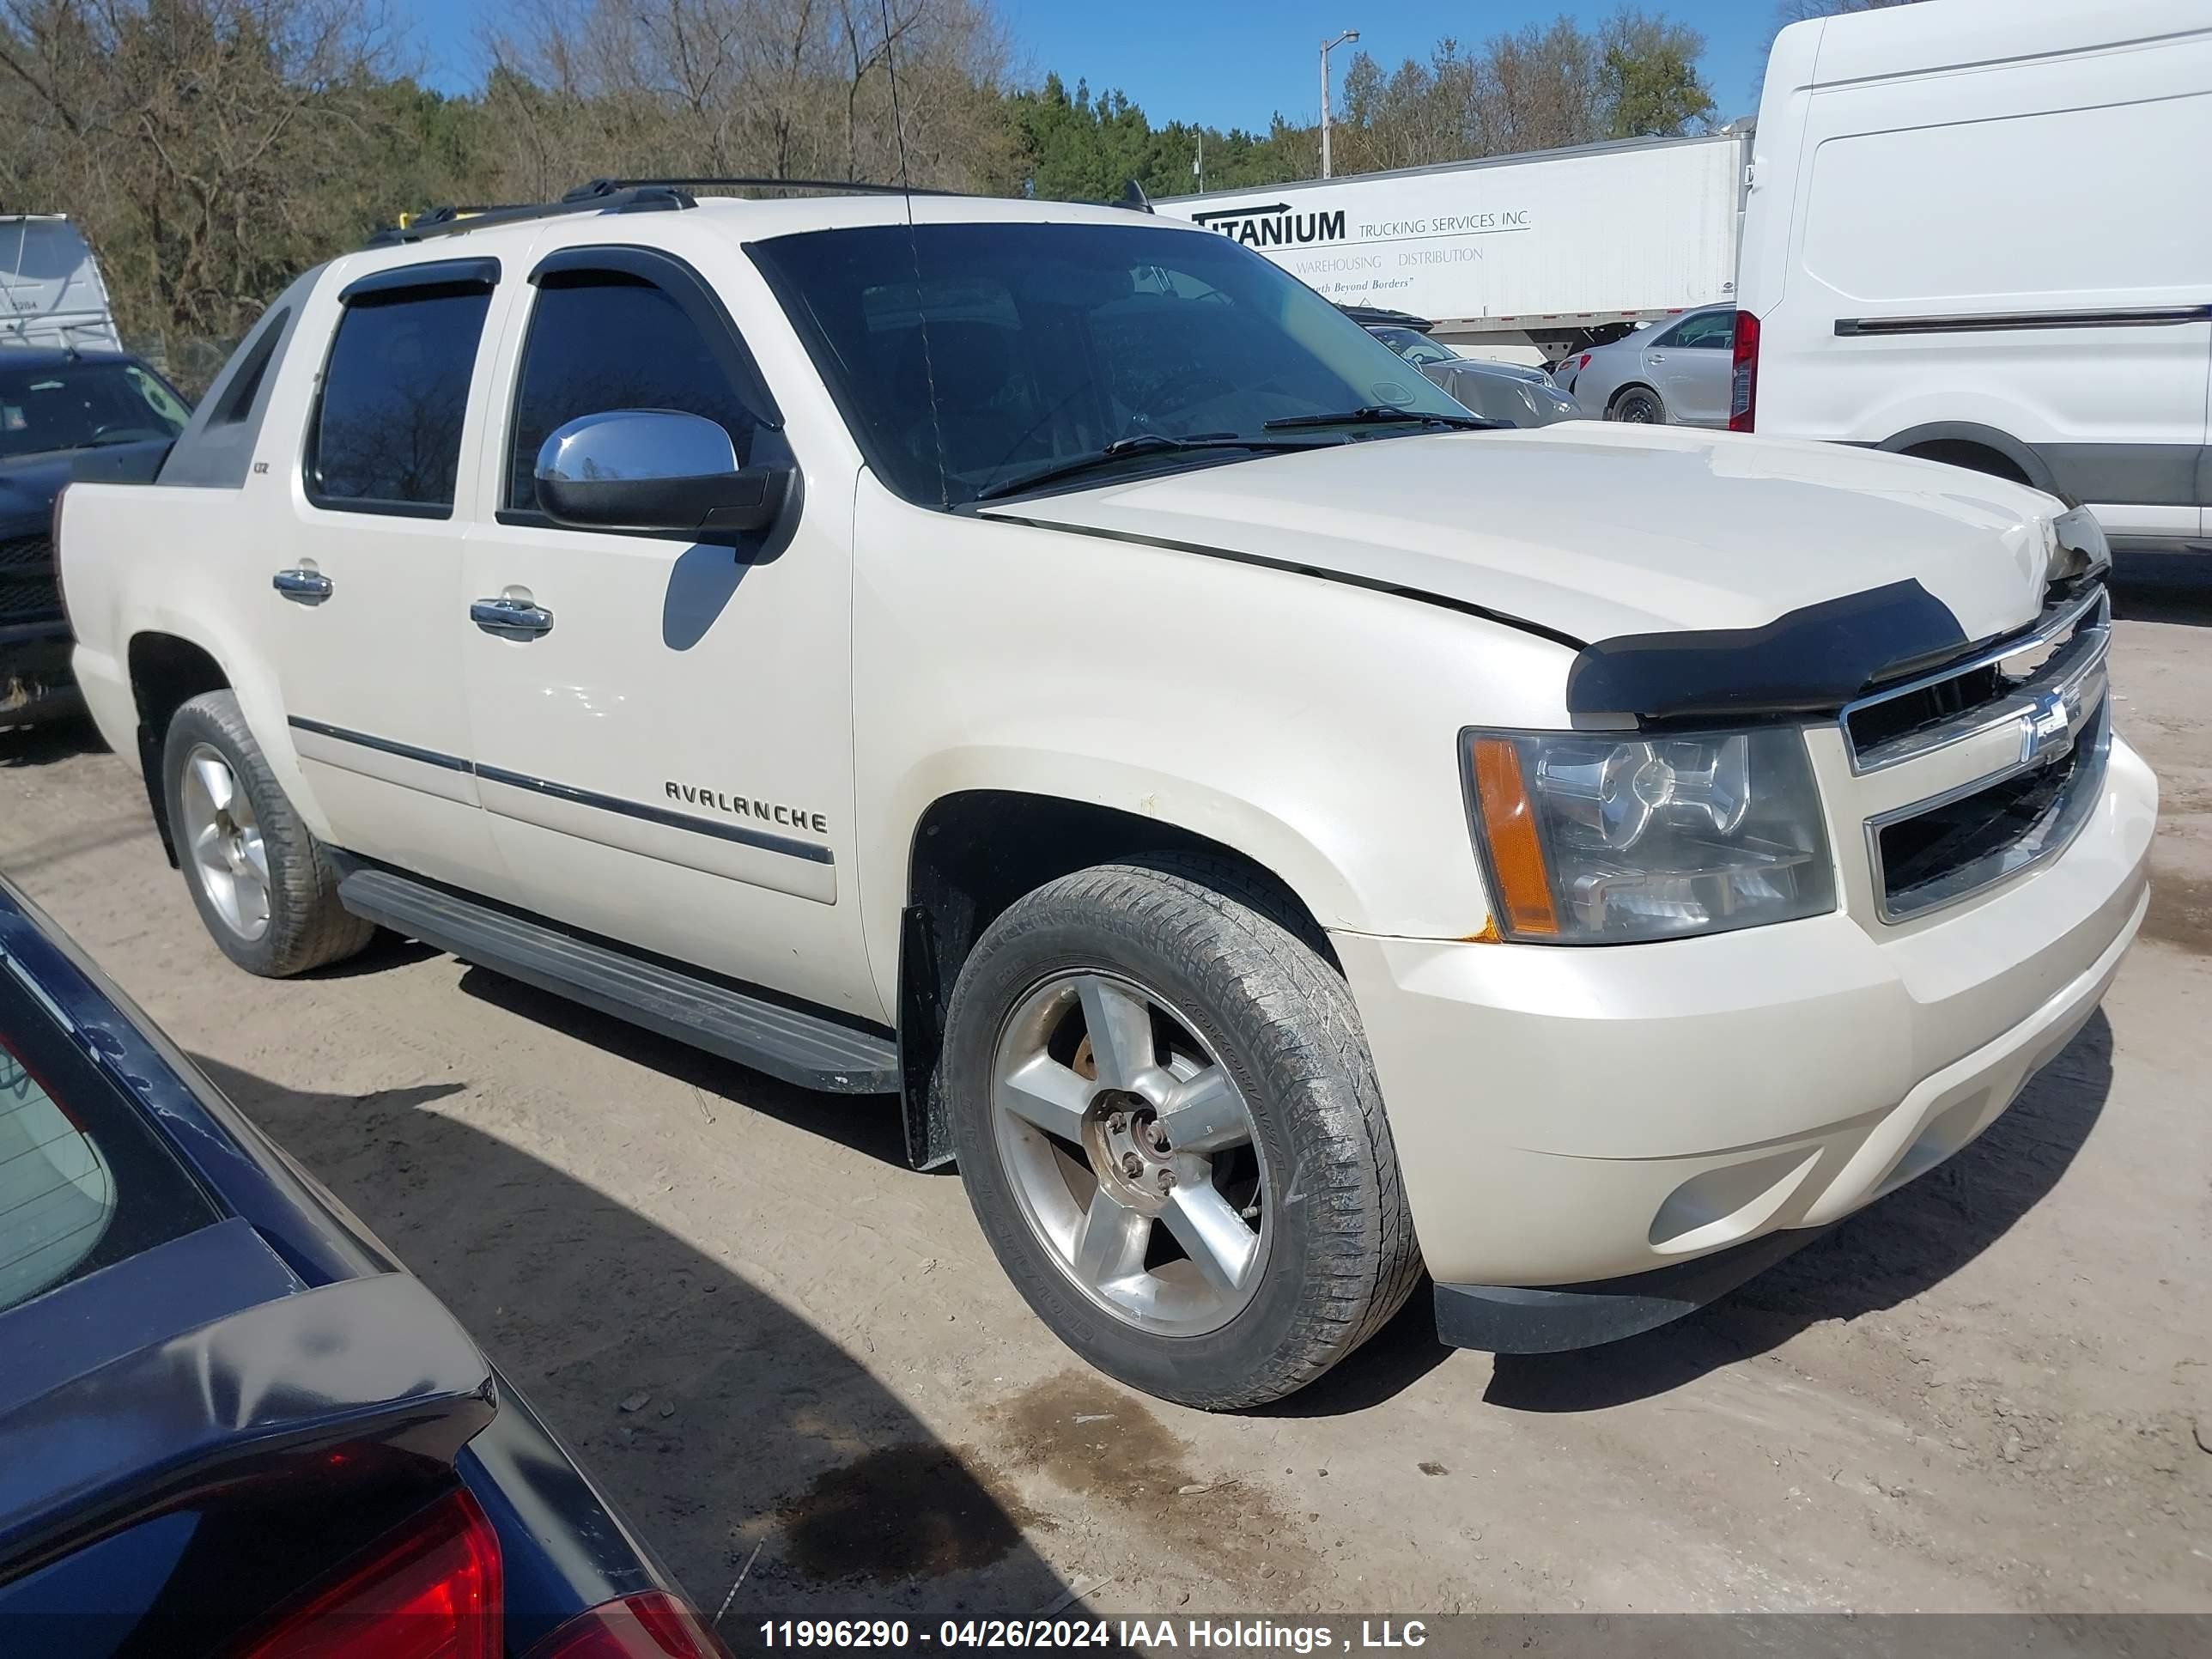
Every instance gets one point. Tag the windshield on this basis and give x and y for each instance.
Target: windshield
(73, 406)
(1022, 345)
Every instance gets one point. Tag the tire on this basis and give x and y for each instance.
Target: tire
(295, 921)
(1639, 404)
(1230, 971)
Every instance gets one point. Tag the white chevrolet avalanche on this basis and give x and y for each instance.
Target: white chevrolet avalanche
(1277, 833)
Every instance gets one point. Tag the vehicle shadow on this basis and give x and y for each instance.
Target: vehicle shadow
(1912, 1240)
(56, 738)
(385, 951)
(736, 1436)
(871, 1124)
(1391, 1361)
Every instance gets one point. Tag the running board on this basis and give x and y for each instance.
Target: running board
(807, 1049)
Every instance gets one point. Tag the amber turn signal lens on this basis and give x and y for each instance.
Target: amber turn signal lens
(1509, 827)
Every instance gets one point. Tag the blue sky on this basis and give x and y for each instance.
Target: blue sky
(1232, 63)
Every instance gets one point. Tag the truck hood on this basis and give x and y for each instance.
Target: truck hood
(1593, 531)
(28, 483)
(28, 488)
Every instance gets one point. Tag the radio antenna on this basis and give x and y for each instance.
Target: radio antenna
(914, 256)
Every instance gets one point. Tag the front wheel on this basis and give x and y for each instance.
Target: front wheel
(1170, 1132)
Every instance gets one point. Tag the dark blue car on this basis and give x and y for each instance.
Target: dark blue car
(230, 1423)
(63, 414)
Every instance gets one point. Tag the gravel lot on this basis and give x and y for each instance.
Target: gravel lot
(778, 1347)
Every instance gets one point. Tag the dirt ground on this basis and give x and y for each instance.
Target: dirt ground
(789, 1357)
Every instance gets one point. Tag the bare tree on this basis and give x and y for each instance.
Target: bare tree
(777, 88)
(211, 148)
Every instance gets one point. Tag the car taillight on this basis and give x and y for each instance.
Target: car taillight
(1581, 362)
(429, 1589)
(1743, 382)
(653, 1624)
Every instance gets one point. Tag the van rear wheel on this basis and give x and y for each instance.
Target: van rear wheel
(1170, 1132)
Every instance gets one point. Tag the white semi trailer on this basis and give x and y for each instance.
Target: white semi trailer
(1551, 249)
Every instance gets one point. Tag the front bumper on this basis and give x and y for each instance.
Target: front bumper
(1567, 1116)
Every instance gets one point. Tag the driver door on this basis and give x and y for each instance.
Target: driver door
(667, 761)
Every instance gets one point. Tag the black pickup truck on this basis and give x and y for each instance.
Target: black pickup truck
(63, 414)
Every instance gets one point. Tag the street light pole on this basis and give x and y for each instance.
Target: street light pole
(1327, 47)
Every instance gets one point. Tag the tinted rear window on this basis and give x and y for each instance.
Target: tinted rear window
(84, 1180)
(387, 433)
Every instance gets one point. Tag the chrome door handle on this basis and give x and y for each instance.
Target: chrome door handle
(511, 619)
(301, 586)
(1654, 356)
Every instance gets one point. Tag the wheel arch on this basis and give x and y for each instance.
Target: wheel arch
(166, 671)
(1973, 434)
(976, 850)
(1614, 398)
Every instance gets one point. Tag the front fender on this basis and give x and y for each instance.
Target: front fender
(1310, 726)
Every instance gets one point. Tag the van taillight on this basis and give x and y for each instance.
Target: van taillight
(429, 1589)
(1743, 384)
(653, 1624)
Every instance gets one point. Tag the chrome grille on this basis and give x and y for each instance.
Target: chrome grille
(2048, 684)
(27, 593)
(2008, 682)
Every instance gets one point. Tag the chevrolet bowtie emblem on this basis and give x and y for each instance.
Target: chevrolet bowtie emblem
(2048, 727)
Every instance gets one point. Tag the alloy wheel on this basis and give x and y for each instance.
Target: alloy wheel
(1132, 1153)
(223, 839)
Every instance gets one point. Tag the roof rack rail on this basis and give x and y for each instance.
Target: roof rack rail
(451, 221)
(834, 186)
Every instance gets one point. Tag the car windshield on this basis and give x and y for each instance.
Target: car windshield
(78, 404)
(963, 355)
(1415, 346)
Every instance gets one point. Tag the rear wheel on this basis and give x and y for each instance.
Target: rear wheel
(1639, 404)
(1170, 1132)
(262, 882)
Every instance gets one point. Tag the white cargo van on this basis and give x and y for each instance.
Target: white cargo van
(52, 293)
(1976, 232)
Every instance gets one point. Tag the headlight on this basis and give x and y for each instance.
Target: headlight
(1604, 839)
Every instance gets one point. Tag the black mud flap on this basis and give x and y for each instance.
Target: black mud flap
(1555, 1319)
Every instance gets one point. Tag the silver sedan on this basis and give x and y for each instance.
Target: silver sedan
(1664, 374)
(1496, 391)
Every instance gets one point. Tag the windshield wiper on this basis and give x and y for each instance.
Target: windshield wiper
(1383, 414)
(1142, 443)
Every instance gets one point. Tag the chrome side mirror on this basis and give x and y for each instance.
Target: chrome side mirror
(654, 470)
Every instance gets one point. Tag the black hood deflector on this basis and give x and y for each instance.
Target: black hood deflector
(1811, 660)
